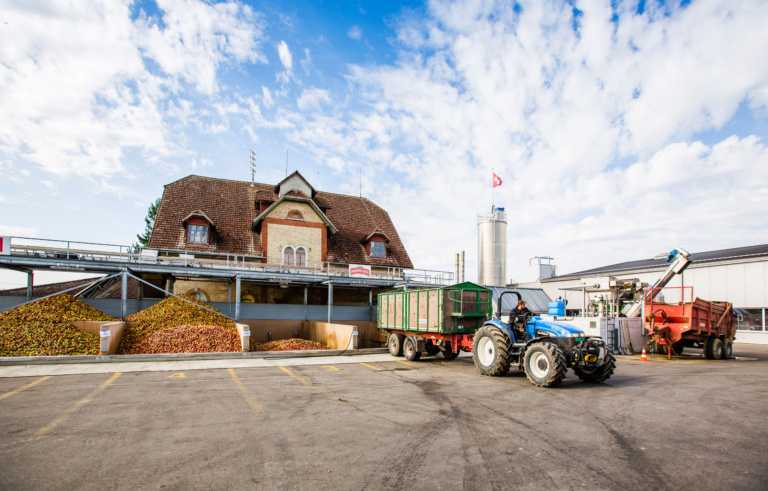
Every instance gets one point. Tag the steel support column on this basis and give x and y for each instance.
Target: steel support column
(124, 295)
(237, 298)
(30, 284)
(370, 298)
(330, 302)
(306, 294)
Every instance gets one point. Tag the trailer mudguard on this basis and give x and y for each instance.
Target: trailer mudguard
(501, 327)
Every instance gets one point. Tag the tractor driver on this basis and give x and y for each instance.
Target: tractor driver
(517, 318)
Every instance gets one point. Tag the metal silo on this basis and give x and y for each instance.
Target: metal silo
(492, 248)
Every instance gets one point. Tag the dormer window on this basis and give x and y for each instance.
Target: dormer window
(199, 228)
(378, 249)
(197, 234)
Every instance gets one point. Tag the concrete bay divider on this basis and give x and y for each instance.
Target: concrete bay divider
(115, 330)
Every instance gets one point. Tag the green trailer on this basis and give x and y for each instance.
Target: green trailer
(433, 320)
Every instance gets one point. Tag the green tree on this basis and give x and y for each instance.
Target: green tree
(149, 224)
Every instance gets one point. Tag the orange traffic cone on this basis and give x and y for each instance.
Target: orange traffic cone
(643, 357)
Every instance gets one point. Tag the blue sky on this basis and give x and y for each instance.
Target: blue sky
(620, 129)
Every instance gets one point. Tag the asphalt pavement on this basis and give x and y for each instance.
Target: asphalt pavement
(378, 422)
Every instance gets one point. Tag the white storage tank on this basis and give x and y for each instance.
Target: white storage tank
(492, 248)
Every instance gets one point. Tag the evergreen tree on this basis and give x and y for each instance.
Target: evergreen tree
(149, 224)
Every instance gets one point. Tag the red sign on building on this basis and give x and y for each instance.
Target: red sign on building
(5, 246)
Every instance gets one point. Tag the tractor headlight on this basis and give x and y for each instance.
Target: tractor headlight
(577, 335)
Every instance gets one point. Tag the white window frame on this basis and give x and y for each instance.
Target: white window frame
(296, 256)
(197, 234)
(383, 246)
(293, 256)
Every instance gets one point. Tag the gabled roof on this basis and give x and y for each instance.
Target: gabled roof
(197, 214)
(231, 207)
(290, 197)
(652, 264)
(375, 232)
(295, 173)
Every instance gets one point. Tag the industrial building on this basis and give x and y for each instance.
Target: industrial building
(738, 276)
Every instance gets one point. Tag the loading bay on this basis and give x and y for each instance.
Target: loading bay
(389, 424)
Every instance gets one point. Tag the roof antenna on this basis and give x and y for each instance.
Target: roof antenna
(253, 168)
(286, 162)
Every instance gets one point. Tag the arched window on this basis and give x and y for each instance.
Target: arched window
(295, 215)
(198, 294)
(301, 256)
(288, 256)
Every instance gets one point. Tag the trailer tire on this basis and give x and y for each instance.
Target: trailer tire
(716, 349)
(395, 344)
(431, 349)
(448, 354)
(490, 351)
(545, 364)
(677, 349)
(727, 350)
(599, 374)
(660, 349)
(409, 350)
(708, 348)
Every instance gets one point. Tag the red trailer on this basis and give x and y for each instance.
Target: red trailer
(695, 323)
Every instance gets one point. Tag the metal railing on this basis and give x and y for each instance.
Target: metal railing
(112, 253)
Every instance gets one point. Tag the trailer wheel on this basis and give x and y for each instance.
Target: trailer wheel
(448, 354)
(545, 364)
(708, 348)
(431, 349)
(395, 344)
(716, 349)
(599, 374)
(677, 349)
(727, 350)
(660, 349)
(490, 351)
(409, 350)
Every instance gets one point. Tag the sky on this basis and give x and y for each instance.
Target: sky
(620, 130)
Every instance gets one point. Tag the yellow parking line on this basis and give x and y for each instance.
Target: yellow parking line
(77, 406)
(371, 366)
(9, 394)
(310, 384)
(251, 401)
(406, 363)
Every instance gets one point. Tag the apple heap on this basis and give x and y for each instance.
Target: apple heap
(43, 328)
(190, 339)
(294, 344)
(167, 314)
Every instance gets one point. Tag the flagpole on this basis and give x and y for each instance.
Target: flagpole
(493, 190)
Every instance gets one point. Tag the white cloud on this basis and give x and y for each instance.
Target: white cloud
(267, 97)
(48, 184)
(285, 56)
(560, 114)
(355, 33)
(82, 84)
(18, 231)
(313, 99)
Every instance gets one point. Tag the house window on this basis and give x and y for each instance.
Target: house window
(301, 257)
(288, 256)
(295, 215)
(378, 249)
(197, 234)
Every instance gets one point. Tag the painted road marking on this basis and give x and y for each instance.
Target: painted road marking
(177, 375)
(405, 363)
(251, 401)
(310, 384)
(371, 366)
(85, 400)
(31, 384)
(331, 369)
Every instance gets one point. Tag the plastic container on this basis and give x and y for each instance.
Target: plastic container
(557, 308)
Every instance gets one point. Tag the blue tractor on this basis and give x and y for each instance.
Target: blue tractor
(544, 350)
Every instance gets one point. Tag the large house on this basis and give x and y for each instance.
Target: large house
(289, 224)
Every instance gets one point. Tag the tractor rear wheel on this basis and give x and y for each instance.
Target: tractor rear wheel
(409, 350)
(545, 364)
(490, 351)
(395, 344)
(599, 374)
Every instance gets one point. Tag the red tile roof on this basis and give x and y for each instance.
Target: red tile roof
(231, 207)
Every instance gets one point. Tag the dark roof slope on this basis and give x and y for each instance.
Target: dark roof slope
(650, 264)
(52, 288)
(231, 207)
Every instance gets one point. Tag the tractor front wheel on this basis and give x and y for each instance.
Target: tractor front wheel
(599, 374)
(545, 364)
(490, 351)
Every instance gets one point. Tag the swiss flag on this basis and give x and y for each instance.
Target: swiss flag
(496, 180)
